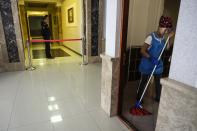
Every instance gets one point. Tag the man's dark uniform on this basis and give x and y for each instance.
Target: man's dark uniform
(46, 33)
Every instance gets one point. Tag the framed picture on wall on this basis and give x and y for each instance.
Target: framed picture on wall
(71, 15)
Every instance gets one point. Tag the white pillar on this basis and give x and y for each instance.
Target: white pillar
(113, 19)
(178, 105)
(184, 60)
(110, 60)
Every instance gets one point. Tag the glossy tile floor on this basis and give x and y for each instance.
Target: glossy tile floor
(60, 95)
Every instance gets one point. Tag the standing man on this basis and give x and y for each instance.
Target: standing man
(46, 33)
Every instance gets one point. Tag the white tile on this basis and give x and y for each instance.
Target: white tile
(5, 113)
(31, 87)
(28, 111)
(9, 85)
(91, 103)
(67, 108)
(35, 127)
(106, 123)
(60, 93)
(80, 123)
(8, 90)
(75, 91)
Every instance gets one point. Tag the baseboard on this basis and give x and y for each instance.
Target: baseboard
(94, 59)
(11, 67)
(72, 50)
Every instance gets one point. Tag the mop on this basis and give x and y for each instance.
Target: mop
(138, 110)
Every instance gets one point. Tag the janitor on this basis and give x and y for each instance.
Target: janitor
(150, 51)
(46, 33)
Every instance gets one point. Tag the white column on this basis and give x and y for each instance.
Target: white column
(113, 19)
(110, 60)
(184, 60)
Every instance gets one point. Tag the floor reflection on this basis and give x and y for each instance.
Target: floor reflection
(52, 108)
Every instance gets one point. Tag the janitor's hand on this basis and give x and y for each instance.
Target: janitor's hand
(154, 61)
(171, 34)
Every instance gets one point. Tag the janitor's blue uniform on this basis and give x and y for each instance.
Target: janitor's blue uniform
(146, 66)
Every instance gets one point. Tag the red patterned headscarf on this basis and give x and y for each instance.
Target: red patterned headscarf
(165, 22)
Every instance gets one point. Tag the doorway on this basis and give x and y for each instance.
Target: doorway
(143, 18)
(61, 28)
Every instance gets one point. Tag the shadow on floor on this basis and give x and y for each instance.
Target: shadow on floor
(40, 53)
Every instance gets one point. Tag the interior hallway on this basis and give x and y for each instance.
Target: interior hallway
(60, 53)
(54, 97)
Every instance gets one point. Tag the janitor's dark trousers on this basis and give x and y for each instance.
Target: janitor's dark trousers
(143, 82)
(47, 47)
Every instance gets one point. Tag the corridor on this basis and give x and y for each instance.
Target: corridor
(54, 97)
(61, 54)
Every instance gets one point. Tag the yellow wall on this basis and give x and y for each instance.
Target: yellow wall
(23, 24)
(72, 31)
(48, 1)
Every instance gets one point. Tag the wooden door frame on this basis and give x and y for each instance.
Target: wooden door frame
(123, 47)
